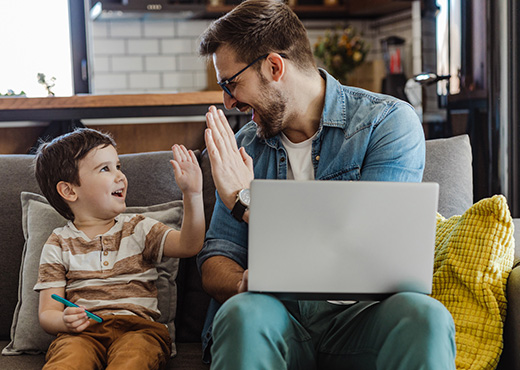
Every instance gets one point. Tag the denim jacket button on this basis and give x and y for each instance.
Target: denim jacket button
(282, 159)
(317, 157)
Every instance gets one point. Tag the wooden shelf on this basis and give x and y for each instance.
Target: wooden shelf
(107, 106)
(111, 101)
(153, 134)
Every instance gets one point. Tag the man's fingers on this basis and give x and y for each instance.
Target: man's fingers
(246, 158)
(230, 135)
(217, 138)
(214, 154)
(243, 287)
(222, 133)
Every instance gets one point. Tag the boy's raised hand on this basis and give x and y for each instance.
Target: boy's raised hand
(187, 170)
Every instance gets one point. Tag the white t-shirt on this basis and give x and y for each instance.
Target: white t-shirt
(299, 158)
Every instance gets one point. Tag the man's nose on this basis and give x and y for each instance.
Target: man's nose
(229, 101)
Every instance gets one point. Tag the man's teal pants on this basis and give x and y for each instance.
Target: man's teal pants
(407, 331)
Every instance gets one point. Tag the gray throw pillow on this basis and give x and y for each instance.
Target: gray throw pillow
(39, 219)
(448, 163)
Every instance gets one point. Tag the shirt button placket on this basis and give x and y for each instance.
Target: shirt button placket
(104, 242)
(282, 168)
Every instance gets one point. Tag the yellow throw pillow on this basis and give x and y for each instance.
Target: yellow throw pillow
(473, 258)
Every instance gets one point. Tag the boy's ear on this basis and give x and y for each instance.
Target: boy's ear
(66, 191)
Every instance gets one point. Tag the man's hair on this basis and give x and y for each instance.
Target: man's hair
(258, 27)
(58, 159)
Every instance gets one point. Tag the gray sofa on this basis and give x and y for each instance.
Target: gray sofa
(151, 182)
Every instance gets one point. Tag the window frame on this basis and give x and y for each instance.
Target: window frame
(78, 47)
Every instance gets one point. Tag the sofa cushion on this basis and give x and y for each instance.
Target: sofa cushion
(473, 259)
(39, 219)
(448, 163)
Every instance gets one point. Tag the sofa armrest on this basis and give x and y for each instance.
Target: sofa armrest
(512, 325)
(511, 356)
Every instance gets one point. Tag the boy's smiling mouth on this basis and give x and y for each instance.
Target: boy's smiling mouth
(118, 193)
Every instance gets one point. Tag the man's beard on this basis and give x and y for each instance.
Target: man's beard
(269, 115)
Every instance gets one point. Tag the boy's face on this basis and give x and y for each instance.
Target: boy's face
(102, 192)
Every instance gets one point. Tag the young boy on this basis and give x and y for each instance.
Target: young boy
(104, 261)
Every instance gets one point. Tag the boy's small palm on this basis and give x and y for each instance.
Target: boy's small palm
(187, 170)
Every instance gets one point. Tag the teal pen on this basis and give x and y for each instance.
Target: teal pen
(70, 304)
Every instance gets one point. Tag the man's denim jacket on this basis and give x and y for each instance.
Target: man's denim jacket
(362, 136)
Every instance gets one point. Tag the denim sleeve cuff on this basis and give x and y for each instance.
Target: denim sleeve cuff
(224, 248)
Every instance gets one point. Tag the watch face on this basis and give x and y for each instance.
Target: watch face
(244, 197)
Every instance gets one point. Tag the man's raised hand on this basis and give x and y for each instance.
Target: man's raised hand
(231, 167)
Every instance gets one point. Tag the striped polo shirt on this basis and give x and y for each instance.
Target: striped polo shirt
(113, 273)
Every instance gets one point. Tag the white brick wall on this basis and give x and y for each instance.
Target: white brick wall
(132, 56)
(135, 56)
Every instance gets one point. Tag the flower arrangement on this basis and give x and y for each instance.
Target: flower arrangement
(341, 51)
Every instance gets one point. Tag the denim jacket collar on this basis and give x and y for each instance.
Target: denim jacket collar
(333, 109)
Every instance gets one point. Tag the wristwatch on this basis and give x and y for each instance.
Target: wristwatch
(241, 204)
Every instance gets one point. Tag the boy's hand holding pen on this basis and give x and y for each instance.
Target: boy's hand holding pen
(72, 324)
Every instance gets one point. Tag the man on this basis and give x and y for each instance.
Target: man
(305, 126)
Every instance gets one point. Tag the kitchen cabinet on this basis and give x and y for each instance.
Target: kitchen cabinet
(307, 9)
(209, 9)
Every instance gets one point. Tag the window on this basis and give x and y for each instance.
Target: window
(449, 45)
(35, 38)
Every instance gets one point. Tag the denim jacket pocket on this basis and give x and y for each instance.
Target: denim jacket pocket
(347, 174)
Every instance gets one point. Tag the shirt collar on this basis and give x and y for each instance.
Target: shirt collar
(334, 107)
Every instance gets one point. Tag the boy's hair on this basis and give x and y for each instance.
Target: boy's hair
(58, 159)
(257, 27)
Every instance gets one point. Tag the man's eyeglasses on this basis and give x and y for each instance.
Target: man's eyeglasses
(224, 84)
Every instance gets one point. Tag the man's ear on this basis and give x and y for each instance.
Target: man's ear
(276, 66)
(66, 191)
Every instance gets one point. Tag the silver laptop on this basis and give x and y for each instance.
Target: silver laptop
(341, 239)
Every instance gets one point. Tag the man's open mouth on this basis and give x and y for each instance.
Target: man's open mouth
(244, 108)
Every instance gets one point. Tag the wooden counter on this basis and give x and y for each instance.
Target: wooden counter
(108, 106)
(131, 138)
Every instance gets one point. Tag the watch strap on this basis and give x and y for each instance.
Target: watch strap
(238, 210)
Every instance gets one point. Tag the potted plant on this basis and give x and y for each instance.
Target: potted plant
(341, 51)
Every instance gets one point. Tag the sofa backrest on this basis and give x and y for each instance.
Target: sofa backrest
(17, 175)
